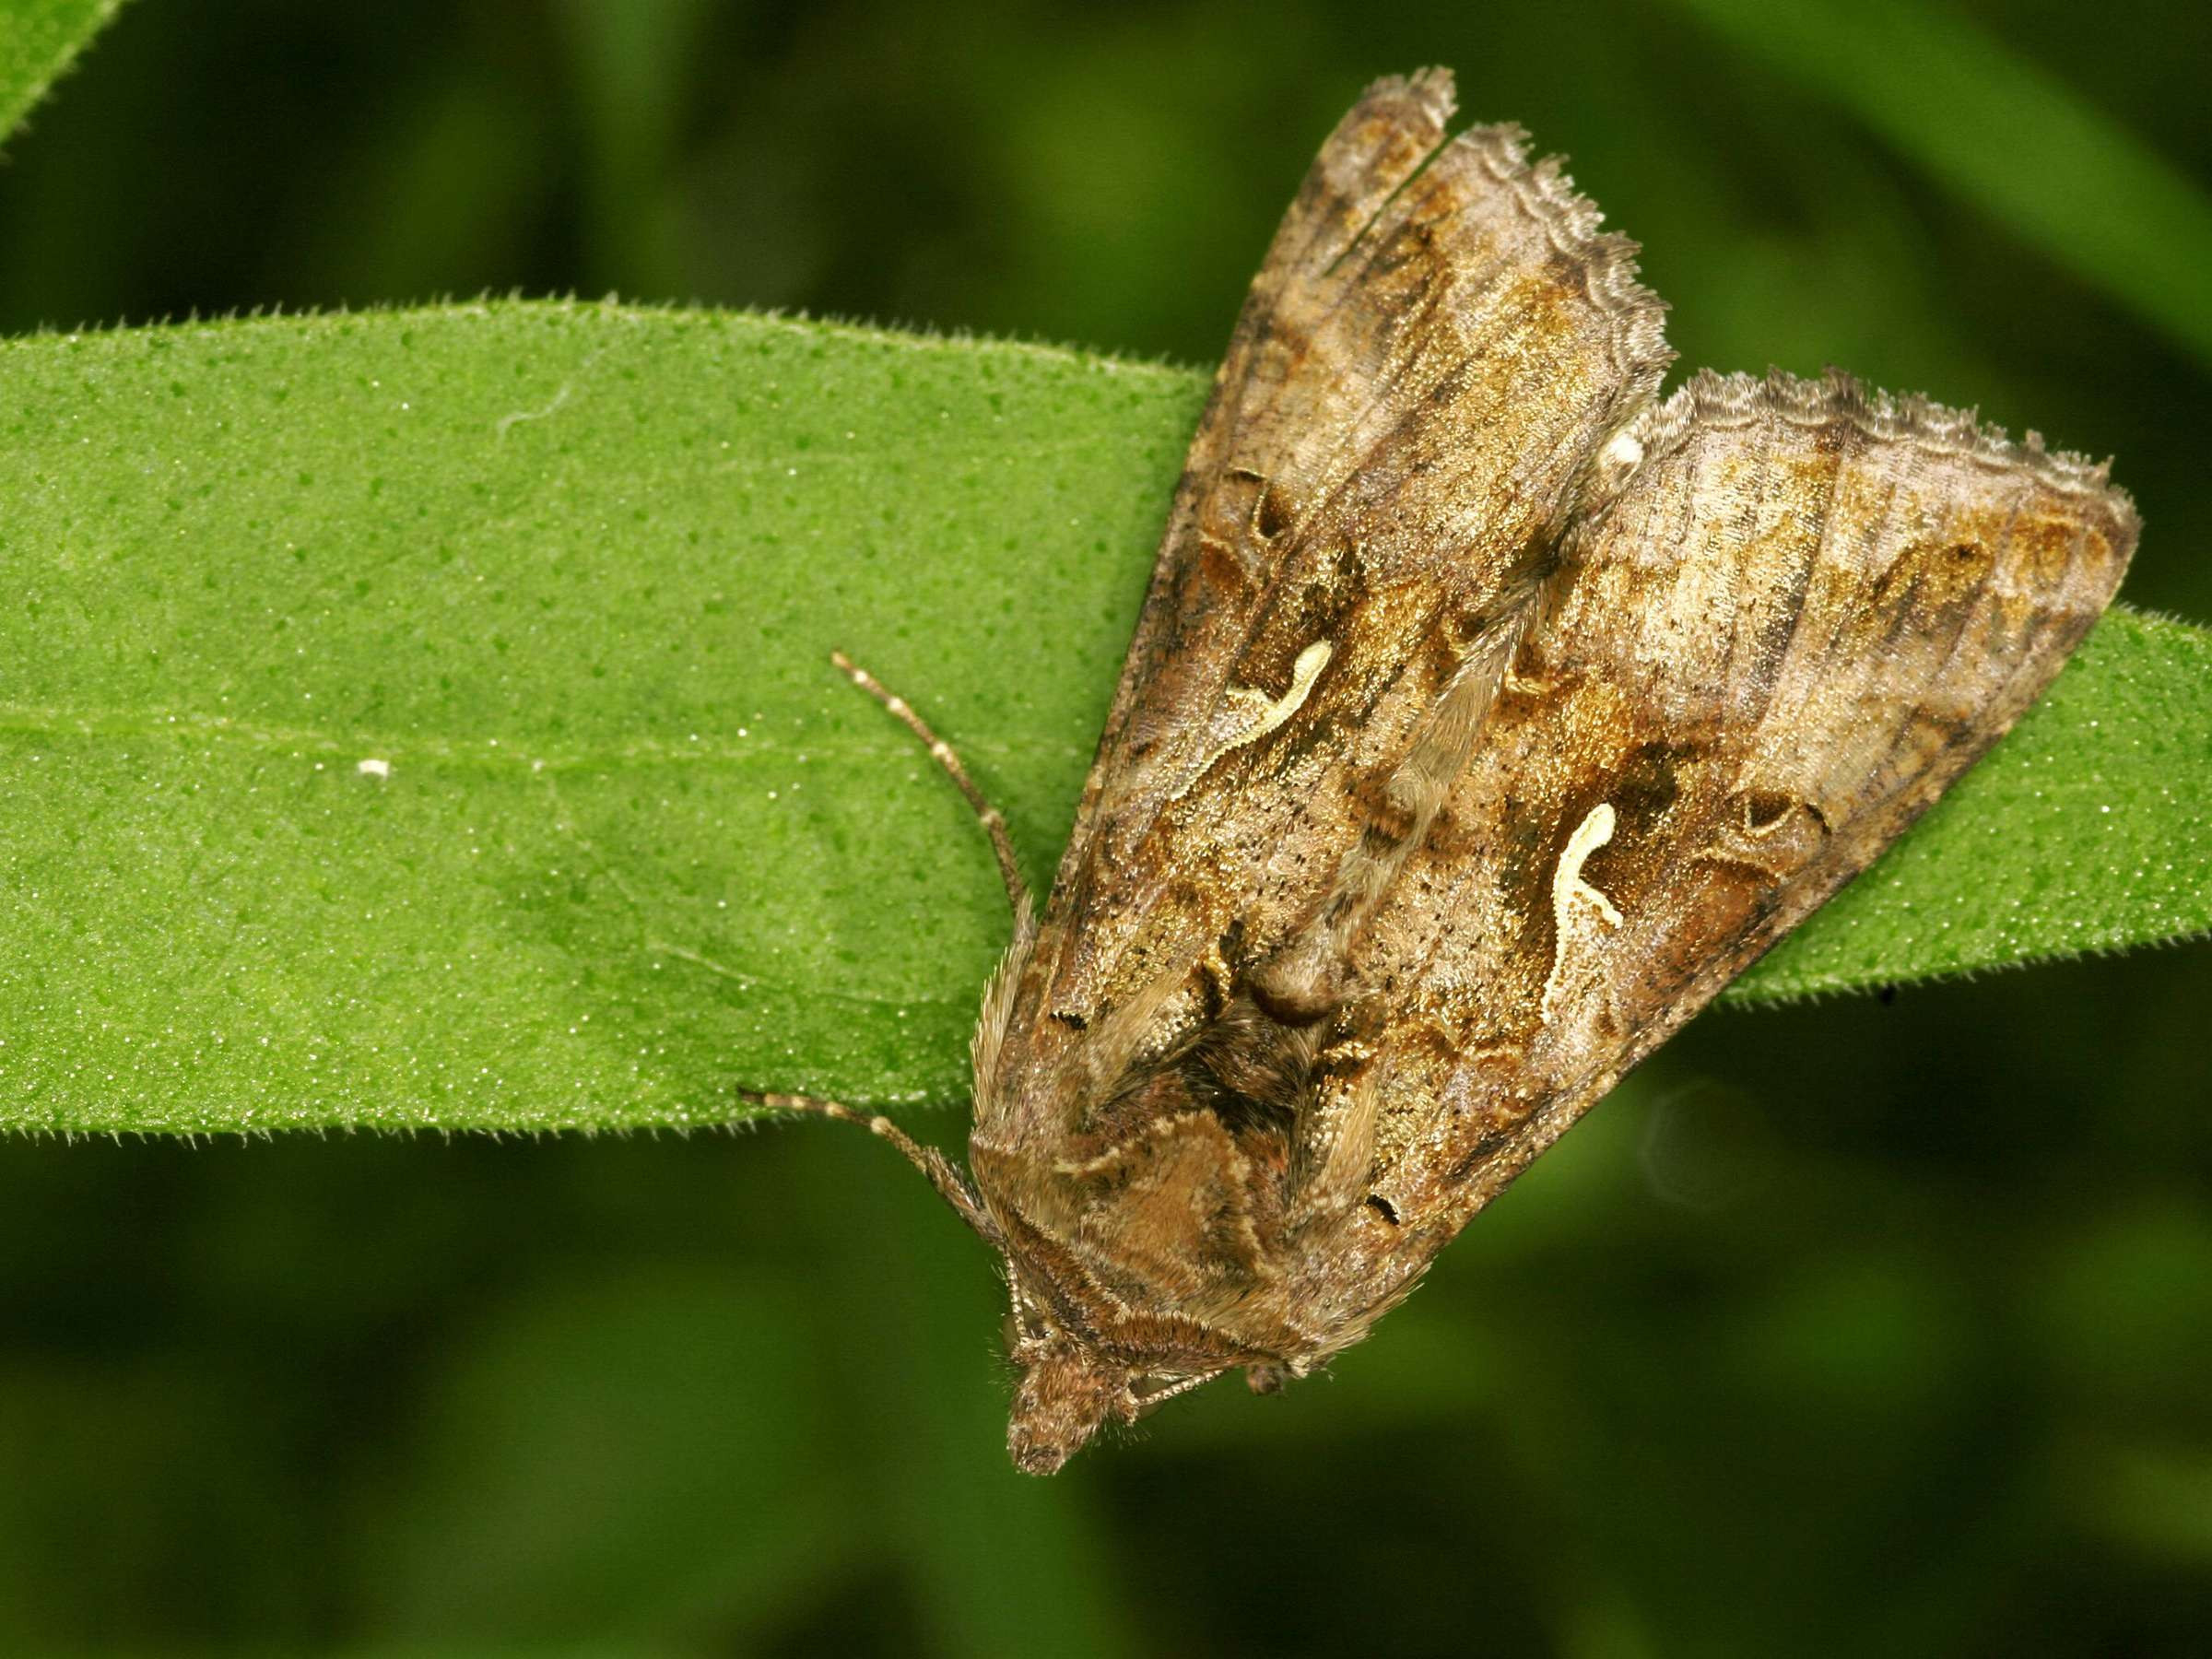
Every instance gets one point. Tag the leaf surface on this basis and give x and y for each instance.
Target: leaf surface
(424, 719)
(39, 41)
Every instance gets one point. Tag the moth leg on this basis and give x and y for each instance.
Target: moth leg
(1218, 978)
(1270, 1377)
(952, 1186)
(1333, 1140)
(993, 822)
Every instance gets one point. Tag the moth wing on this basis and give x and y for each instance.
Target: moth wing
(1437, 342)
(1809, 610)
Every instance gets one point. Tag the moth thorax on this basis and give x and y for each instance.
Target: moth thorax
(1066, 1392)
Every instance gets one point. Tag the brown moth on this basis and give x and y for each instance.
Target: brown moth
(1487, 715)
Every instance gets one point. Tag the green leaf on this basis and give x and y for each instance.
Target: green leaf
(425, 720)
(2001, 134)
(39, 41)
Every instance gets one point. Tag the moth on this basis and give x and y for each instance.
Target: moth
(1487, 715)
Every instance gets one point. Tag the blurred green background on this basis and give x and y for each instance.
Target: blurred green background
(1877, 1325)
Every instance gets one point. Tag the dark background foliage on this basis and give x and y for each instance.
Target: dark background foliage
(1877, 1325)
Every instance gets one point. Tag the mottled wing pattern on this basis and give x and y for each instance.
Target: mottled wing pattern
(1437, 345)
(1804, 614)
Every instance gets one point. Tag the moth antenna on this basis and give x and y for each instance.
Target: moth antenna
(951, 1185)
(994, 822)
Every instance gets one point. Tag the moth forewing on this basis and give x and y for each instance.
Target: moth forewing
(1808, 611)
(1483, 719)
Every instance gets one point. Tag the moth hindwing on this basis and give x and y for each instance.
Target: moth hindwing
(1485, 717)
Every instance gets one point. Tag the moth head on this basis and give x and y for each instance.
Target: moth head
(1068, 1389)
